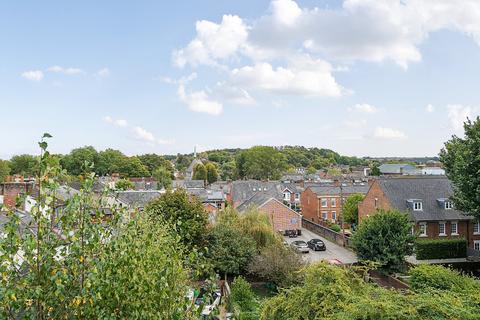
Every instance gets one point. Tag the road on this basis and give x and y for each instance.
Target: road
(334, 251)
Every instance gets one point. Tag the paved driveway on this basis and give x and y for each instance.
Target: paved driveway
(334, 251)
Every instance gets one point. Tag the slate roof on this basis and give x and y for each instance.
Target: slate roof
(188, 184)
(260, 198)
(26, 221)
(327, 190)
(206, 196)
(243, 190)
(137, 199)
(292, 187)
(427, 189)
(395, 168)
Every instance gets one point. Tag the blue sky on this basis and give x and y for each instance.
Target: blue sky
(361, 77)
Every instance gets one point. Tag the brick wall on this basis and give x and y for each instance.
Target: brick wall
(281, 217)
(374, 199)
(10, 191)
(309, 202)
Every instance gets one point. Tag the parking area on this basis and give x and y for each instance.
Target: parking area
(333, 252)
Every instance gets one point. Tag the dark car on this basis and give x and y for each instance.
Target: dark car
(300, 246)
(316, 245)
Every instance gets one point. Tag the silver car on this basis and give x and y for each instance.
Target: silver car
(300, 246)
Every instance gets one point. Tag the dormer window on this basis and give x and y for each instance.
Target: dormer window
(417, 206)
(448, 205)
(286, 196)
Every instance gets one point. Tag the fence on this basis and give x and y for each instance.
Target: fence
(327, 233)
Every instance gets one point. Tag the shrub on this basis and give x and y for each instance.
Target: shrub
(335, 227)
(242, 300)
(441, 249)
(441, 278)
(124, 184)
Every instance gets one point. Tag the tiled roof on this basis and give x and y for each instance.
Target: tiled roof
(137, 199)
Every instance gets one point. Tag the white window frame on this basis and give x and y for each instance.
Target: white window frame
(444, 224)
(417, 206)
(333, 202)
(476, 245)
(1, 199)
(448, 205)
(476, 225)
(286, 196)
(324, 202)
(375, 204)
(324, 215)
(334, 216)
(454, 223)
(297, 196)
(423, 229)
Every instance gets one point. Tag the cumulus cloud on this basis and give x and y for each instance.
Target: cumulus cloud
(388, 133)
(33, 75)
(458, 114)
(67, 71)
(199, 101)
(103, 73)
(429, 108)
(138, 132)
(364, 108)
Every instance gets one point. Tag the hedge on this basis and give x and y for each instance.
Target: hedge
(441, 278)
(441, 249)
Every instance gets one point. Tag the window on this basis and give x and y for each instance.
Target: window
(417, 206)
(1, 199)
(324, 215)
(297, 196)
(423, 229)
(286, 196)
(334, 216)
(333, 202)
(454, 227)
(448, 205)
(376, 202)
(476, 227)
(324, 203)
(476, 245)
(441, 228)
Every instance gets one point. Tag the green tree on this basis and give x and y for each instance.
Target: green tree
(384, 238)
(199, 172)
(228, 171)
(154, 161)
(185, 214)
(74, 162)
(124, 184)
(163, 177)
(242, 300)
(375, 170)
(109, 161)
(262, 163)
(212, 173)
(425, 277)
(132, 167)
(461, 160)
(350, 208)
(230, 250)
(4, 170)
(24, 164)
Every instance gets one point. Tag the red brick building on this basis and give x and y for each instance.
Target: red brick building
(426, 200)
(9, 191)
(324, 203)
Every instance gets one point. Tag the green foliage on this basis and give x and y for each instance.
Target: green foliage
(242, 300)
(74, 162)
(132, 167)
(163, 177)
(154, 161)
(335, 227)
(461, 160)
(384, 238)
(124, 184)
(256, 224)
(228, 171)
(440, 248)
(330, 292)
(182, 162)
(212, 173)
(199, 172)
(25, 164)
(230, 250)
(350, 208)
(261, 163)
(278, 264)
(109, 161)
(4, 169)
(425, 277)
(185, 215)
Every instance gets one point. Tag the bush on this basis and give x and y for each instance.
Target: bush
(242, 300)
(441, 278)
(124, 184)
(441, 249)
(335, 227)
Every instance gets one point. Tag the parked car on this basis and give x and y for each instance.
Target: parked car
(300, 246)
(316, 245)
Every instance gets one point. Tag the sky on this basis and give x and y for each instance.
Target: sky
(361, 77)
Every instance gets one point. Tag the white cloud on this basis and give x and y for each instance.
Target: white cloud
(458, 114)
(138, 132)
(232, 94)
(142, 134)
(104, 72)
(388, 133)
(285, 11)
(303, 76)
(116, 122)
(364, 108)
(213, 42)
(199, 101)
(33, 75)
(67, 71)
(429, 108)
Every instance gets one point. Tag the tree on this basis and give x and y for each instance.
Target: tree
(24, 164)
(163, 177)
(74, 162)
(186, 215)
(154, 161)
(350, 208)
(230, 250)
(242, 300)
(124, 184)
(132, 167)
(212, 173)
(109, 161)
(461, 160)
(262, 163)
(228, 171)
(4, 170)
(199, 172)
(278, 264)
(375, 170)
(384, 238)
